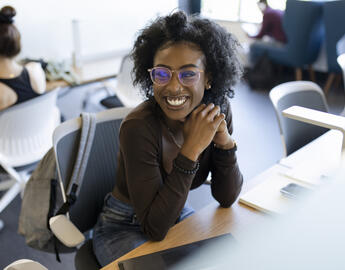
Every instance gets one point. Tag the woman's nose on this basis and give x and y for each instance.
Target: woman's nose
(175, 84)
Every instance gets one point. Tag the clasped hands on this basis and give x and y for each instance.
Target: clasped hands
(204, 125)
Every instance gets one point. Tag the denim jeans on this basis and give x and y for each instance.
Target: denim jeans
(117, 230)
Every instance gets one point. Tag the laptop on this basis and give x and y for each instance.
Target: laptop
(206, 254)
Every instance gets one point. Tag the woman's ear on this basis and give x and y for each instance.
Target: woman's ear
(208, 83)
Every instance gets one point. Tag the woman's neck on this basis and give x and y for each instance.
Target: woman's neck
(9, 68)
(175, 129)
(174, 125)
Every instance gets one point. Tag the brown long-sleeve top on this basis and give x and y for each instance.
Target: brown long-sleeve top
(155, 189)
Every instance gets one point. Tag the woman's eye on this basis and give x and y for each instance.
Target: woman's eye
(162, 74)
(187, 74)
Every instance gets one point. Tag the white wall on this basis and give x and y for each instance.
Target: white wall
(105, 25)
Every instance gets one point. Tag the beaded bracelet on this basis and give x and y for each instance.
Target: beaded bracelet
(182, 170)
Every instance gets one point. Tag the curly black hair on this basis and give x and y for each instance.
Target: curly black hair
(218, 46)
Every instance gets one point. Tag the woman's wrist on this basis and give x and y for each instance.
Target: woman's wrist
(192, 155)
(190, 151)
(230, 145)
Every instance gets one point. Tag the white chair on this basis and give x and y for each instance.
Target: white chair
(295, 134)
(124, 90)
(25, 264)
(26, 133)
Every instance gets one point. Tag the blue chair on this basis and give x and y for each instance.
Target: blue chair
(302, 23)
(334, 21)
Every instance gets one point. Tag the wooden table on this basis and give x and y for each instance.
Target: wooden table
(210, 221)
(91, 72)
(213, 220)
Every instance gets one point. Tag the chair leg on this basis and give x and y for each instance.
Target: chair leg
(329, 82)
(7, 184)
(18, 179)
(10, 195)
(312, 74)
(337, 81)
(12, 172)
(298, 72)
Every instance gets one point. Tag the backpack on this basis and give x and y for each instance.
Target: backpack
(43, 194)
(262, 75)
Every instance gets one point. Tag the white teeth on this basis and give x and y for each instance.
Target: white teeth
(176, 101)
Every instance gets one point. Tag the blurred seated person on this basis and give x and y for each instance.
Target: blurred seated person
(271, 23)
(17, 83)
(271, 33)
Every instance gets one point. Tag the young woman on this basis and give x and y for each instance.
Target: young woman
(17, 83)
(172, 141)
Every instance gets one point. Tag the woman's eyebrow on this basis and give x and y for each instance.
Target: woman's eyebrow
(184, 66)
(162, 65)
(189, 65)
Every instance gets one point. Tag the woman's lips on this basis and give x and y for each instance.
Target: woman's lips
(176, 101)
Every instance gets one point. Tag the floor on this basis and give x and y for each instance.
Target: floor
(255, 131)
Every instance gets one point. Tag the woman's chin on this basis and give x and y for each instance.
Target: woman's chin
(177, 117)
(177, 113)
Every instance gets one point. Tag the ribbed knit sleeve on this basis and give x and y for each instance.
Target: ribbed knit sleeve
(227, 179)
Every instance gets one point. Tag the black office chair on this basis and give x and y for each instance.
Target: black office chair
(99, 176)
(295, 134)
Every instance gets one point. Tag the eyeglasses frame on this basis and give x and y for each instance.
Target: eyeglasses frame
(178, 75)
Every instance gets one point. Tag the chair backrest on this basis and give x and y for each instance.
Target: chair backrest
(101, 168)
(341, 62)
(341, 45)
(302, 24)
(334, 21)
(26, 129)
(129, 95)
(296, 134)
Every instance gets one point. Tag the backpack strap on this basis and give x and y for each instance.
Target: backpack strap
(86, 139)
(85, 144)
(88, 129)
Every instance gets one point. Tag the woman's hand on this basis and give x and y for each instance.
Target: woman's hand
(199, 130)
(222, 138)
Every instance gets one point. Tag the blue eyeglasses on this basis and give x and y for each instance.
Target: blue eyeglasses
(186, 76)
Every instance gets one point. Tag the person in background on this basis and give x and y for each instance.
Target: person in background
(186, 67)
(17, 83)
(271, 23)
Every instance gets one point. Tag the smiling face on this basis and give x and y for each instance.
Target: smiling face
(176, 100)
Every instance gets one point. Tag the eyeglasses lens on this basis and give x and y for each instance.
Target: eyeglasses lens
(188, 77)
(161, 75)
